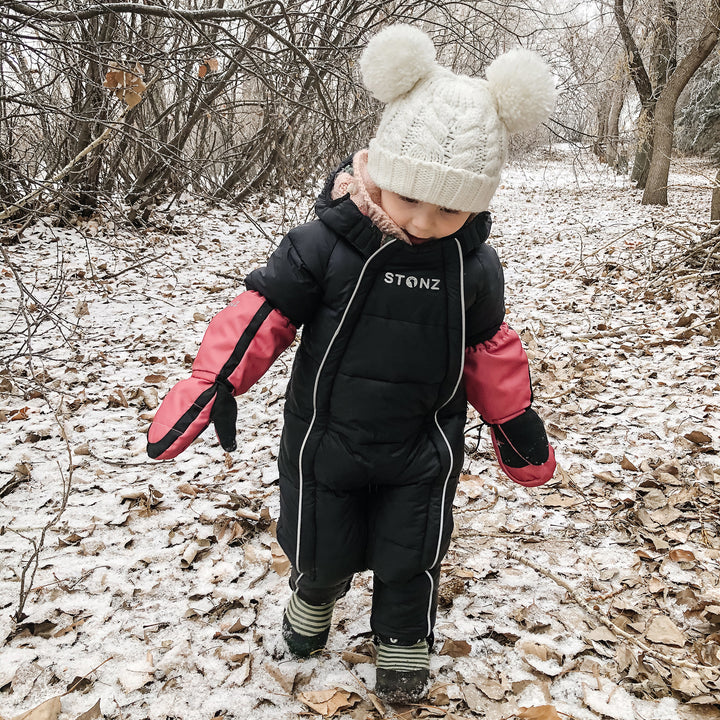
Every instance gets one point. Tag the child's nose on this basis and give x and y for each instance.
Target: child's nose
(424, 220)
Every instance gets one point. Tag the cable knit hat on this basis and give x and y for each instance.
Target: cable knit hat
(443, 137)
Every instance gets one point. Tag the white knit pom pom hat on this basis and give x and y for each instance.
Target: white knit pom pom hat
(443, 137)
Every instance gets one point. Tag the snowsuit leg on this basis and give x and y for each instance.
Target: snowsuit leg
(398, 526)
(403, 611)
(405, 583)
(332, 541)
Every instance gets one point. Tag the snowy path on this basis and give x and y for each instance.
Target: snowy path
(162, 581)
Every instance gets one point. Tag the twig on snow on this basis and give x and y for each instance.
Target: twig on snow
(567, 391)
(79, 680)
(31, 565)
(475, 508)
(121, 463)
(112, 276)
(599, 617)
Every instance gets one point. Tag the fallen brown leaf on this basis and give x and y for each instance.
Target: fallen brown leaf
(21, 414)
(608, 477)
(539, 712)
(698, 437)
(155, 379)
(602, 634)
(286, 681)
(687, 682)
(49, 710)
(491, 688)
(627, 464)
(455, 648)
(662, 629)
(438, 695)
(681, 555)
(91, 714)
(329, 702)
(355, 658)
(280, 562)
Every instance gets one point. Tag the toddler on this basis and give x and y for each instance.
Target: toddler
(401, 303)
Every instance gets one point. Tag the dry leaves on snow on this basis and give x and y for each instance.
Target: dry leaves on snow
(455, 648)
(138, 674)
(610, 701)
(280, 561)
(661, 629)
(645, 539)
(51, 709)
(92, 714)
(329, 702)
(286, 679)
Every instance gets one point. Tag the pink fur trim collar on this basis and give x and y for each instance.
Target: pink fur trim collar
(366, 195)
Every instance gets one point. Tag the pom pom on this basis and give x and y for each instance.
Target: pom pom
(523, 87)
(395, 59)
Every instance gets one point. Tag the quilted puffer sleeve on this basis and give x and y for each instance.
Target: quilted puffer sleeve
(484, 295)
(292, 280)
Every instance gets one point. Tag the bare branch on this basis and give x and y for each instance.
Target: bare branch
(93, 11)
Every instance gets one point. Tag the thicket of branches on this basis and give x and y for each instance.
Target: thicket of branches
(214, 97)
(225, 98)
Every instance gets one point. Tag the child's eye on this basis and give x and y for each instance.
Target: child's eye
(408, 200)
(449, 211)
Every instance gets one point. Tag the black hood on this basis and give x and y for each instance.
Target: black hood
(343, 216)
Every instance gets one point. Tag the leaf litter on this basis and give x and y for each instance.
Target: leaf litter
(162, 587)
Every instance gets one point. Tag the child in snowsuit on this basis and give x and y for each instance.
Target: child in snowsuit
(401, 304)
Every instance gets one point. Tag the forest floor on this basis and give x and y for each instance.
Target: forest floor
(159, 587)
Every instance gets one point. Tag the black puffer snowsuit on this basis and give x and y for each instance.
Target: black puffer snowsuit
(375, 408)
(396, 338)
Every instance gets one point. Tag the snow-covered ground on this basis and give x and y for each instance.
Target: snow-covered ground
(159, 592)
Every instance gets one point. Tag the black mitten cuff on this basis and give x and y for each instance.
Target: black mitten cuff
(522, 441)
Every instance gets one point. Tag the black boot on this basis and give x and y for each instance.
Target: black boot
(306, 627)
(403, 671)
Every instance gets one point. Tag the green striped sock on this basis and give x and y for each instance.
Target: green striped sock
(306, 619)
(403, 658)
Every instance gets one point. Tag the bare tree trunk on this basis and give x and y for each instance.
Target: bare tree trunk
(664, 50)
(715, 204)
(613, 126)
(649, 84)
(601, 136)
(638, 73)
(644, 150)
(656, 188)
(643, 85)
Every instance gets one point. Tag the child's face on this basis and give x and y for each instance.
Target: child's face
(421, 221)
